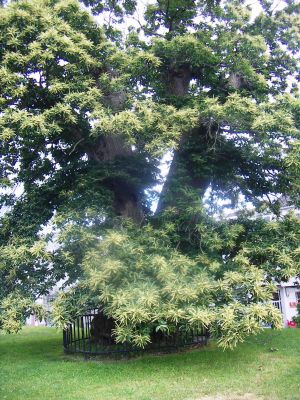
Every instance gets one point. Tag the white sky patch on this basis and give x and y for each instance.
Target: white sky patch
(137, 19)
(164, 170)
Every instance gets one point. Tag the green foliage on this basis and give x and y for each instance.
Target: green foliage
(271, 246)
(14, 310)
(27, 263)
(144, 284)
(297, 317)
(72, 304)
(274, 247)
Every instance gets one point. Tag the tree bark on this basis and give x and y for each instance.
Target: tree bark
(178, 80)
(184, 171)
(127, 202)
(182, 174)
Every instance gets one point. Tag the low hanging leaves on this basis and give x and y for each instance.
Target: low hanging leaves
(147, 288)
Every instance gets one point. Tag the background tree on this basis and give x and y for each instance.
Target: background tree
(87, 114)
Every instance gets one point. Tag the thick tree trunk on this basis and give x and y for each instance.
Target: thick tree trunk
(178, 80)
(127, 202)
(184, 170)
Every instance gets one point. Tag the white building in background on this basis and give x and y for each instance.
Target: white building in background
(287, 298)
(46, 302)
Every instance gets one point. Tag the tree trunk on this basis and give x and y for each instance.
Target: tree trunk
(183, 173)
(127, 202)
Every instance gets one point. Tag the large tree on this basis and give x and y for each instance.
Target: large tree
(87, 112)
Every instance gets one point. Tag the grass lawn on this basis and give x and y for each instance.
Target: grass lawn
(33, 366)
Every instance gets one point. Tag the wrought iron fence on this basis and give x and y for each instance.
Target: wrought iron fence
(78, 338)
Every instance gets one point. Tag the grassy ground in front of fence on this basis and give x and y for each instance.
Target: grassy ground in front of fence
(32, 366)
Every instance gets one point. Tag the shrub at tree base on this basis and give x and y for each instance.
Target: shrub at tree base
(145, 286)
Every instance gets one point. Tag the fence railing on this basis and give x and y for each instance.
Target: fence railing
(78, 337)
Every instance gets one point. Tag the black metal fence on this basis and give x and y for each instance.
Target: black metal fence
(78, 337)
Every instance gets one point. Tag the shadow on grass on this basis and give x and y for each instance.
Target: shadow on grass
(46, 344)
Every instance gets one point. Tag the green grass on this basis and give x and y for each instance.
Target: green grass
(32, 366)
